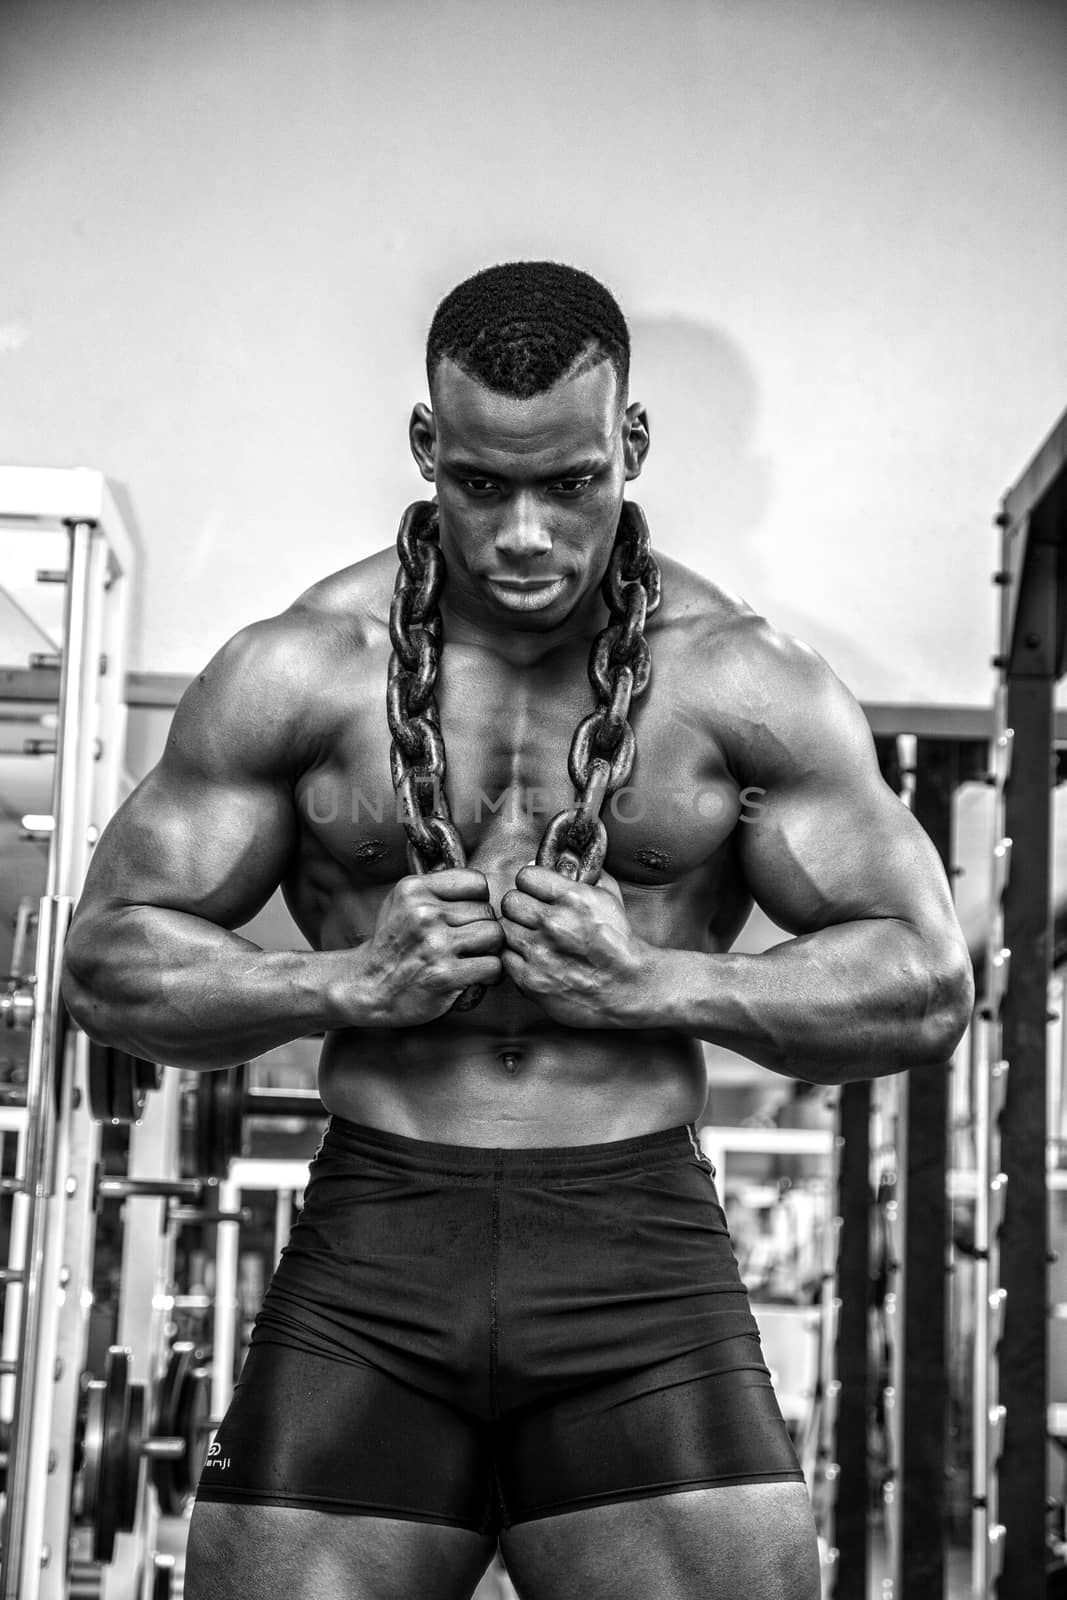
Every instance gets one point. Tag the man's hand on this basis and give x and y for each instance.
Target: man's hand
(570, 947)
(434, 937)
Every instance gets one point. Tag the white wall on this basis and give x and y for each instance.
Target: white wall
(838, 228)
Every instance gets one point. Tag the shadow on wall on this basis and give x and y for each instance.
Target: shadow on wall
(710, 485)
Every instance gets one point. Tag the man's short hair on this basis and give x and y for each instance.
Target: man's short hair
(520, 327)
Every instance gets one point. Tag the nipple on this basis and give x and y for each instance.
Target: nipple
(369, 850)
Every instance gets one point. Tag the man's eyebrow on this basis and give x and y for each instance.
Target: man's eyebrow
(585, 468)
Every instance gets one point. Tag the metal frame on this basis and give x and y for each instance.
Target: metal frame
(147, 1277)
(942, 766)
(247, 1172)
(60, 1145)
(1013, 1205)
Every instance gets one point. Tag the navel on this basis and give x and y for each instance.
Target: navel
(657, 859)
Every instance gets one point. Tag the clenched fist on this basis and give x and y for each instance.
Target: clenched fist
(570, 947)
(435, 936)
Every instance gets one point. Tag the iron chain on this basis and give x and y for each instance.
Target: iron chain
(604, 745)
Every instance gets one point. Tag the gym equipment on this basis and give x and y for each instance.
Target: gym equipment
(183, 1412)
(115, 1441)
(222, 1101)
(1011, 1225)
(163, 1577)
(195, 1190)
(52, 1190)
(119, 1084)
(893, 1399)
(148, 1277)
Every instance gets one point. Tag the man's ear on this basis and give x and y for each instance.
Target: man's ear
(635, 439)
(422, 436)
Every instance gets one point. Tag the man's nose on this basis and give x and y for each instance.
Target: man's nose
(522, 531)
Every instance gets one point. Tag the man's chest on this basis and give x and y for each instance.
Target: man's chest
(506, 738)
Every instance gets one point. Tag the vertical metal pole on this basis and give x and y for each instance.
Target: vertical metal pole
(16, 1260)
(144, 1309)
(853, 1370)
(47, 1105)
(225, 1330)
(283, 1221)
(1023, 1359)
(924, 1232)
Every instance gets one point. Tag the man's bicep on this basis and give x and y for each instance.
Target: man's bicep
(829, 841)
(216, 849)
(816, 854)
(210, 829)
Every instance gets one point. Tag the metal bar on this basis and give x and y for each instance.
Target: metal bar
(145, 1308)
(29, 1431)
(983, 1393)
(67, 854)
(51, 496)
(47, 1106)
(283, 1221)
(224, 1331)
(854, 1290)
(293, 1103)
(1034, 483)
(1032, 513)
(16, 1257)
(1023, 1360)
(925, 1236)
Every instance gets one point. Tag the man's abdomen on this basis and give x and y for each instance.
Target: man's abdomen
(549, 1086)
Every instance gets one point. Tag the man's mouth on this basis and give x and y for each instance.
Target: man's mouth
(527, 594)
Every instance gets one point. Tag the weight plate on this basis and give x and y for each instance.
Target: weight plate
(99, 1082)
(220, 1107)
(194, 1410)
(170, 1477)
(119, 1083)
(111, 1476)
(92, 1446)
(147, 1074)
(133, 1456)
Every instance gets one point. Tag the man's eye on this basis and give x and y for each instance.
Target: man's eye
(571, 485)
(479, 486)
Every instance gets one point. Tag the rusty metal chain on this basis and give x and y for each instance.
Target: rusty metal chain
(603, 748)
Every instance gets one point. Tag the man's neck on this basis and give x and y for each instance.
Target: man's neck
(465, 621)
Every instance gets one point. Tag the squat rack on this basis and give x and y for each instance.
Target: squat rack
(52, 1190)
(1030, 661)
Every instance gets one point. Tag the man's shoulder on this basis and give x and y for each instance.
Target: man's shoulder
(712, 622)
(268, 685)
(771, 698)
(354, 599)
(333, 619)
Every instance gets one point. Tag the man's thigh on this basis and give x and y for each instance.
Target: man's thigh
(236, 1552)
(753, 1540)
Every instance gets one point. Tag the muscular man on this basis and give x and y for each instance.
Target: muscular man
(509, 1310)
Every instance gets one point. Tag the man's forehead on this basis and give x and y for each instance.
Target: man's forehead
(585, 401)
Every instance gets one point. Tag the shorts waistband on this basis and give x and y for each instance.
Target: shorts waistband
(616, 1156)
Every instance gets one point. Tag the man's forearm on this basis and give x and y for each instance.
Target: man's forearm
(854, 1001)
(173, 988)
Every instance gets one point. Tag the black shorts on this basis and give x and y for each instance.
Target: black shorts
(479, 1337)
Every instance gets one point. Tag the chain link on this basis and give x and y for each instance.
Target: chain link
(604, 746)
